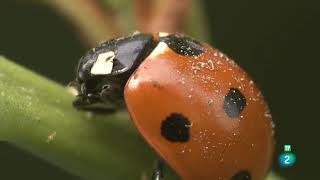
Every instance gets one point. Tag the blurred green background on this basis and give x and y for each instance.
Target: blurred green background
(274, 41)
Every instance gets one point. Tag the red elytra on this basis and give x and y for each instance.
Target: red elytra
(180, 106)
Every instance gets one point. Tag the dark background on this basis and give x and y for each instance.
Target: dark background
(274, 41)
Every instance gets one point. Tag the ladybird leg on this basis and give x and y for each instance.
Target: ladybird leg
(158, 171)
(92, 104)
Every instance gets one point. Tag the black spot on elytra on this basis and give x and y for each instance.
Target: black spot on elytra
(183, 45)
(175, 128)
(242, 175)
(234, 103)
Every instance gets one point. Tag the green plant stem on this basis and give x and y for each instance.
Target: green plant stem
(36, 115)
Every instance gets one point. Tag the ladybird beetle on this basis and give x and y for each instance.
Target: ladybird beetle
(193, 105)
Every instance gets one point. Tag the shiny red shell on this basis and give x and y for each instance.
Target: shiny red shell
(217, 145)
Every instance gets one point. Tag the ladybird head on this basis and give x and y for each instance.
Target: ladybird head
(103, 71)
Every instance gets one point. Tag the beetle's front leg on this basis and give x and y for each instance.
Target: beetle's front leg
(158, 171)
(92, 104)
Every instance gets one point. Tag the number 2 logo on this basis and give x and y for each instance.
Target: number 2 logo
(287, 159)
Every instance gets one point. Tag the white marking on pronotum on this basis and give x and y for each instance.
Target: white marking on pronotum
(160, 49)
(104, 64)
(163, 34)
